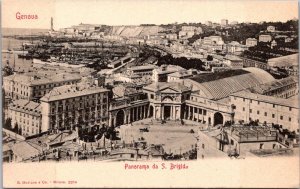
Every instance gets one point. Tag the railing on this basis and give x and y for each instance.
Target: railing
(259, 138)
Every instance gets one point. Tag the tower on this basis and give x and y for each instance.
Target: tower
(52, 24)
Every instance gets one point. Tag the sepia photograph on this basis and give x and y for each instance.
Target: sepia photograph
(97, 93)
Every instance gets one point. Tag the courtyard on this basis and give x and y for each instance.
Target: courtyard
(175, 137)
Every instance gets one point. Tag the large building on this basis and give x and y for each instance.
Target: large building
(179, 75)
(217, 86)
(282, 88)
(265, 38)
(266, 109)
(271, 29)
(74, 105)
(127, 105)
(26, 115)
(141, 70)
(251, 42)
(248, 62)
(171, 36)
(233, 62)
(208, 23)
(289, 62)
(167, 99)
(224, 22)
(240, 141)
(33, 87)
(236, 47)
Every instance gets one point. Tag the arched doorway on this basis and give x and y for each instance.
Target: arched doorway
(167, 112)
(218, 118)
(151, 109)
(120, 118)
(167, 99)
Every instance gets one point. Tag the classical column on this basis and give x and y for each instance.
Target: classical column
(134, 114)
(115, 121)
(139, 112)
(174, 112)
(188, 112)
(129, 116)
(125, 117)
(198, 114)
(110, 119)
(145, 111)
(162, 112)
(148, 112)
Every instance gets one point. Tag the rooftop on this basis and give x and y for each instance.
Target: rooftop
(123, 90)
(263, 88)
(268, 99)
(71, 91)
(26, 105)
(33, 79)
(252, 133)
(145, 67)
(232, 58)
(25, 150)
(221, 85)
(160, 86)
(201, 78)
(180, 74)
(283, 61)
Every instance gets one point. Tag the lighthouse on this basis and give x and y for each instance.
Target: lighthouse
(52, 24)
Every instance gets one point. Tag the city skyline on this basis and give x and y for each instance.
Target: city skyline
(135, 13)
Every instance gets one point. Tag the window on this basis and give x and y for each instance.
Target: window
(152, 96)
(243, 100)
(266, 114)
(258, 102)
(243, 108)
(281, 117)
(132, 155)
(250, 101)
(273, 105)
(261, 145)
(290, 108)
(250, 110)
(203, 146)
(290, 119)
(257, 112)
(273, 115)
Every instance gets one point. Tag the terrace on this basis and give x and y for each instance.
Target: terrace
(252, 134)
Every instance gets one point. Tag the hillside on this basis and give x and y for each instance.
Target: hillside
(134, 31)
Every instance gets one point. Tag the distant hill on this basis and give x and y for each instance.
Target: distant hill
(22, 31)
(135, 31)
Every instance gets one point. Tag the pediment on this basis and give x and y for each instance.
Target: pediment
(169, 90)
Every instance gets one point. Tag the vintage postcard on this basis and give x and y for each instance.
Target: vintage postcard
(163, 93)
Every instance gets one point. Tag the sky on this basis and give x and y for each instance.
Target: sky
(134, 12)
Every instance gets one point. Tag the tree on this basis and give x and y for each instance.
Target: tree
(20, 131)
(16, 128)
(209, 58)
(7, 124)
(7, 71)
